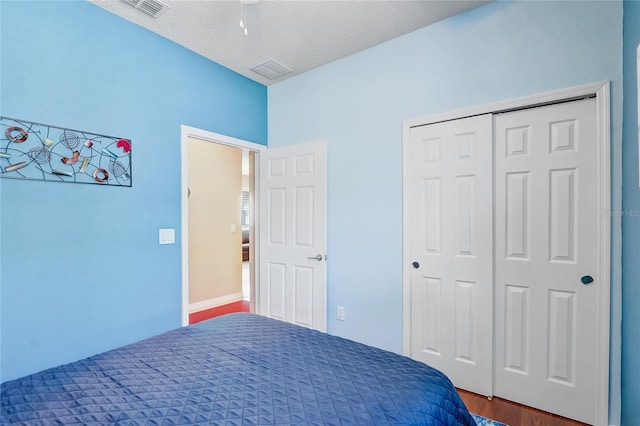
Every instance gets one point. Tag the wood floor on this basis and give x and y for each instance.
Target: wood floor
(241, 306)
(512, 413)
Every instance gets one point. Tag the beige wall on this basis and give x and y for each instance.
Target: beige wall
(215, 256)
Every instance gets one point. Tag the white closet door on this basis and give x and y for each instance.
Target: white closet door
(546, 247)
(450, 217)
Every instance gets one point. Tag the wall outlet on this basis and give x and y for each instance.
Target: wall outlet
(340, 313)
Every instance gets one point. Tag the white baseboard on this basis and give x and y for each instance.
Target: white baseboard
(215, 302)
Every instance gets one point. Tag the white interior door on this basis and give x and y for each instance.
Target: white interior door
(293, 234)
(450, 218)
(546, 257)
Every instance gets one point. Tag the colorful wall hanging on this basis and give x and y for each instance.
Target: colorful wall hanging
(42, 152)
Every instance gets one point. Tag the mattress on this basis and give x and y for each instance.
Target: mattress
(238, 369)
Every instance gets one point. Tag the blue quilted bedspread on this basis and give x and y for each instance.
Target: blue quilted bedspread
(237, 369)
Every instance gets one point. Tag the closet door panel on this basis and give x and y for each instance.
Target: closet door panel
(546, 218)
(451, 248)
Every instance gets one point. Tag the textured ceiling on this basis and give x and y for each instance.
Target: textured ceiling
(300, 34)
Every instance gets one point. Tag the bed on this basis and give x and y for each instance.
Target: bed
(237, 369)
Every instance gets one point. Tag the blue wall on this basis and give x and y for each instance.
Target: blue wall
(496, 52)
(631, 221)
(81, 269)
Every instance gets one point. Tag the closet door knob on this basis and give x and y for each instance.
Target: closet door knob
(586, 280)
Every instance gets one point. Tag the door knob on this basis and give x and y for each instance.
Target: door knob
(416, 265)
(317, 257)
(587, 279)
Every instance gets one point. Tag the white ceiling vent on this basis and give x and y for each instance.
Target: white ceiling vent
(271, 69)
(153, 8)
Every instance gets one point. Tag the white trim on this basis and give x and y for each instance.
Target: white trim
(604, 266)
(186, 132)
(601, 91)
(215, 302)
(517, 103)
(406, 272)
(254, 250)
(208, 136)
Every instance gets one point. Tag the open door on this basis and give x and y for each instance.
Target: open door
(293, 234)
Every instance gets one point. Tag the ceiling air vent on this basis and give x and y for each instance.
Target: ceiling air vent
(153, 8)
(271, 69)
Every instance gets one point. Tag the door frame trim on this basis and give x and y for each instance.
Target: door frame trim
(601, 91)
(185, 133)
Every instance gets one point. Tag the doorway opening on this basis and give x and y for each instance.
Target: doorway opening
(218, 226)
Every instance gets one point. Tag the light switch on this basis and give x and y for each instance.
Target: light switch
(233, 227)
(167, 236)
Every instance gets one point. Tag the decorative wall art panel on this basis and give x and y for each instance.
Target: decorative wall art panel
(37, 151)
